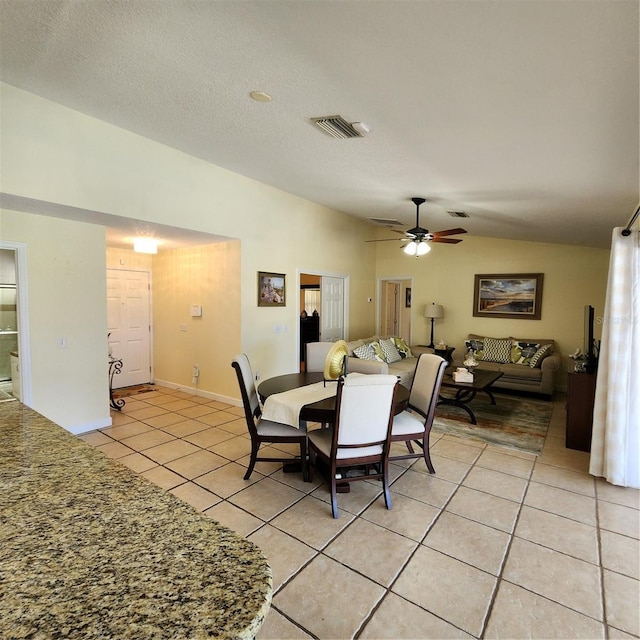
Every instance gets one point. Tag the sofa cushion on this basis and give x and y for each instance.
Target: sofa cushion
(544, 351)
(496, 350)
(391, 353)
(517, 371)
(522, 352)
(404, 369)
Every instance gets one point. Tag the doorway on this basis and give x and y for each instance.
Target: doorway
(395, 308)
(328, 295)
(15, 354)
(129, 325)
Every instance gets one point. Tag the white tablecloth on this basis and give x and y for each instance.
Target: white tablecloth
(285, 407)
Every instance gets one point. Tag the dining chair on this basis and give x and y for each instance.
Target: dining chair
(316, 354)
(413, 426)
(360, 438)
(265, 431)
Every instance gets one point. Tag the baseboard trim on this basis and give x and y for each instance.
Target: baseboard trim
(90, 426)
(198, 392)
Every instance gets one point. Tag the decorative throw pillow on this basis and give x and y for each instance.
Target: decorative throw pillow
(377, 349)
(402, 347)
(391, 353)
(476, 345)
(522, 352)
(544, 351)
(497, 350)
(365, 352)
(352, 346)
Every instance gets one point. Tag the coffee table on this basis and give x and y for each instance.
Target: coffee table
(466, 391)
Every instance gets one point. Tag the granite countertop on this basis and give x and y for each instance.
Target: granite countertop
(88, 549)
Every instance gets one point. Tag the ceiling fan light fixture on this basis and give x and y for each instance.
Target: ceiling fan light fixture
(422, 248)
(411, 248)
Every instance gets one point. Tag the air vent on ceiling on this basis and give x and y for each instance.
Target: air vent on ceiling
(387, 222)
(458, 214)
(337, 127)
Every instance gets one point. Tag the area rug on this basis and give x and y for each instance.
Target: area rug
(513, 422)
(124, 392)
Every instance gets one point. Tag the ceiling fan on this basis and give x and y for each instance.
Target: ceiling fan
(419, 238)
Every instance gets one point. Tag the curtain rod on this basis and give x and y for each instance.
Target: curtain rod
(627, 230)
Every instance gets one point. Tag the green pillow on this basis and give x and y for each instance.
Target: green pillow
(377, 349)
(402, 347)
(522, 352)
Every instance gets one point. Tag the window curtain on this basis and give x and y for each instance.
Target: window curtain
(615, 444)
(312, 301)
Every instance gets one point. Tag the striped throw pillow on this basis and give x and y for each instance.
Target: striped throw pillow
(391, 353)
(540, 355)
(497, 350)
(365, 352)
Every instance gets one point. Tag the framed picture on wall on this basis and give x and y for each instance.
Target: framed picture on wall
(407, 297)
(271, 289)
(516, 295)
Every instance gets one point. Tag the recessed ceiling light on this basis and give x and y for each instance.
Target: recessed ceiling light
(260, 96)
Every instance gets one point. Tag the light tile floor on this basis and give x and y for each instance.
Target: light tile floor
(498, 544)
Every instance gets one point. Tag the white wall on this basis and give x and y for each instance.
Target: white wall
(66, 272)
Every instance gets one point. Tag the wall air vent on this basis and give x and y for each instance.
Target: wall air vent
(336, 127)
(387, 222)
(458, 214)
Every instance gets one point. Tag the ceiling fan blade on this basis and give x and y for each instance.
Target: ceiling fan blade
(448, 232)
(447, 240)
(388, 240)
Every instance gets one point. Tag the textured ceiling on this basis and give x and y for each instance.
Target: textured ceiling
(523, 114)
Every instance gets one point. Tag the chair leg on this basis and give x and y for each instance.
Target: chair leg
(304, 462)
(427, 458)
(385, 484)
(409, 446)
(252, 461)
(334, 491)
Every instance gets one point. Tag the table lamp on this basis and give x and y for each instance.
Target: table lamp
(433, 311)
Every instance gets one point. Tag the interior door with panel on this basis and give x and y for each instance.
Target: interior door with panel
(332, 315)
(391, 309)
(129, 325)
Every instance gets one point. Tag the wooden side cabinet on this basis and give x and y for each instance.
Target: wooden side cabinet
(581, 393)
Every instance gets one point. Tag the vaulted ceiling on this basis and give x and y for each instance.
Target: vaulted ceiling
(524, 115)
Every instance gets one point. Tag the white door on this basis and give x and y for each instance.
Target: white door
(129, 325)
(332, 316)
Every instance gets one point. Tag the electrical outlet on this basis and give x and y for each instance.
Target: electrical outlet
(257, 376)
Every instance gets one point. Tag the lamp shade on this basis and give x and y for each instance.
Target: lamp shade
(434, 310)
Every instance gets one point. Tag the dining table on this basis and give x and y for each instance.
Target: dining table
(322, 411)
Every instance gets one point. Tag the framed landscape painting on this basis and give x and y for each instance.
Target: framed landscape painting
(271, 289)
(517, 295)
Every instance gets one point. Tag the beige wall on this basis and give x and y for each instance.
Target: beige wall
(67, 299)
(52, 154)
(207, 276)
(573, 277)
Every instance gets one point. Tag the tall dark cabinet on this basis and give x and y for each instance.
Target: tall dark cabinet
(309, 332)
(581, 393)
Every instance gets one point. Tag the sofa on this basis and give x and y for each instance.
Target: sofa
(513, 357)
(527, 364)
(404, 367)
